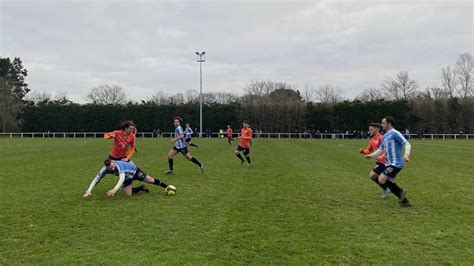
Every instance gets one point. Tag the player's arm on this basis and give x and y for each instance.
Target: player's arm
(132, 150)
(374, 154)
(180, 136)
(114, 190)
(367, 150)
(94, 182)
(109, 135)
(406, 156)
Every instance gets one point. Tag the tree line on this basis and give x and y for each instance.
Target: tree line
(270, 106)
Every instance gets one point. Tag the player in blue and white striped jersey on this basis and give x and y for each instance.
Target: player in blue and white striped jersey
(180, 146)
(127, 172)
(392, 143)
(189, 136)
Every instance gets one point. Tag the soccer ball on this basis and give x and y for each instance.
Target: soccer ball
(170, 190)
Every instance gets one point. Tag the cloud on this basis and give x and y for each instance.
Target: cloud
(149, 45)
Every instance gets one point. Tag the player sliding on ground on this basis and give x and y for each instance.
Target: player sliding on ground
(123, 140)
(392, 143)
(189, 135)
(127, 172)
(374, 144)
(245, 140)
(180, 146)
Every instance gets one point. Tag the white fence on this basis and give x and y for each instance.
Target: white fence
(216, 135)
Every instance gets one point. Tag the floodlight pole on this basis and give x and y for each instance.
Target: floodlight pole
(200, 59)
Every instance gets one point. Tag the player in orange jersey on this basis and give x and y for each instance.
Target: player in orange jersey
(374, 144)
(123, 140)
(229, 133)
(245, 140)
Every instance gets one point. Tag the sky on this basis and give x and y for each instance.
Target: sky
(72, 46)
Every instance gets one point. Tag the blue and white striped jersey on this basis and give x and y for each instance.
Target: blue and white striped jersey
(127, 168)
(392, 143)
(180, 144)
(189, 133)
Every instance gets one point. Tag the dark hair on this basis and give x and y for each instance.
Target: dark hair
(377, 125)
(390, 119)
(245, 121)
(179, 119)
(107, 162)
(126, 124)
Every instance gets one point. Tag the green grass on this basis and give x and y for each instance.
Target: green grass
(303, 201)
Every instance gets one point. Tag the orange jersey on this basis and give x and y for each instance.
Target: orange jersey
(229, 132)
(374, 144)
(245, 137)
(121, 144)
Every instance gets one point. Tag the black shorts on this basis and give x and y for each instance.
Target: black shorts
(139, 175)
(188, 140)
(378, 168)
(245, 150)
(391, 172)
(182, 150)
(116, 158)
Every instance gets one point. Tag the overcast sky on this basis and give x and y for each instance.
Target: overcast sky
(145, 46)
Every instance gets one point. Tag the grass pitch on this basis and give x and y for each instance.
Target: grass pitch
(302, 201)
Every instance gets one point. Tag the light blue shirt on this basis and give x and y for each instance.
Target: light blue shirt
(180, 144)
(189, 133)
(127, 168)
(392, 143)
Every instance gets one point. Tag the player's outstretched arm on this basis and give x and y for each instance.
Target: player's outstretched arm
(91, 187)
(112, 192)
(374, 154)
(109, 135)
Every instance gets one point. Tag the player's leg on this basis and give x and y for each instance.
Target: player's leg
(171, 155)
(237, 153)
(155, 181)
(192, 159)
(388, 179)
(190, 143)
(374, 176)
(247, 155)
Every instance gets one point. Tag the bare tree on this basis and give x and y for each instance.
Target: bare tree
(400, 87)
(192, 96)
(107, 94)
(329, 94)
(464, 72)
(438, 93)
(309, 93)
(370, 95)
(225, 98)
(449, 80)
(39, 97)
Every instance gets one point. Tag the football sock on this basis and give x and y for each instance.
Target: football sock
(396, 190)
(135, 190)
(383, 186)
(159, 183)
(248, 159)
(170, 162)
(194, 160)
(194, 145)
(240, 157)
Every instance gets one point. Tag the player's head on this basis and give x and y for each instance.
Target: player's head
(245, 123)
(228, 126)
(374, 129)
(177, 121)
(388, 122)
(187, 124)
(128, 126)
(110, 164)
